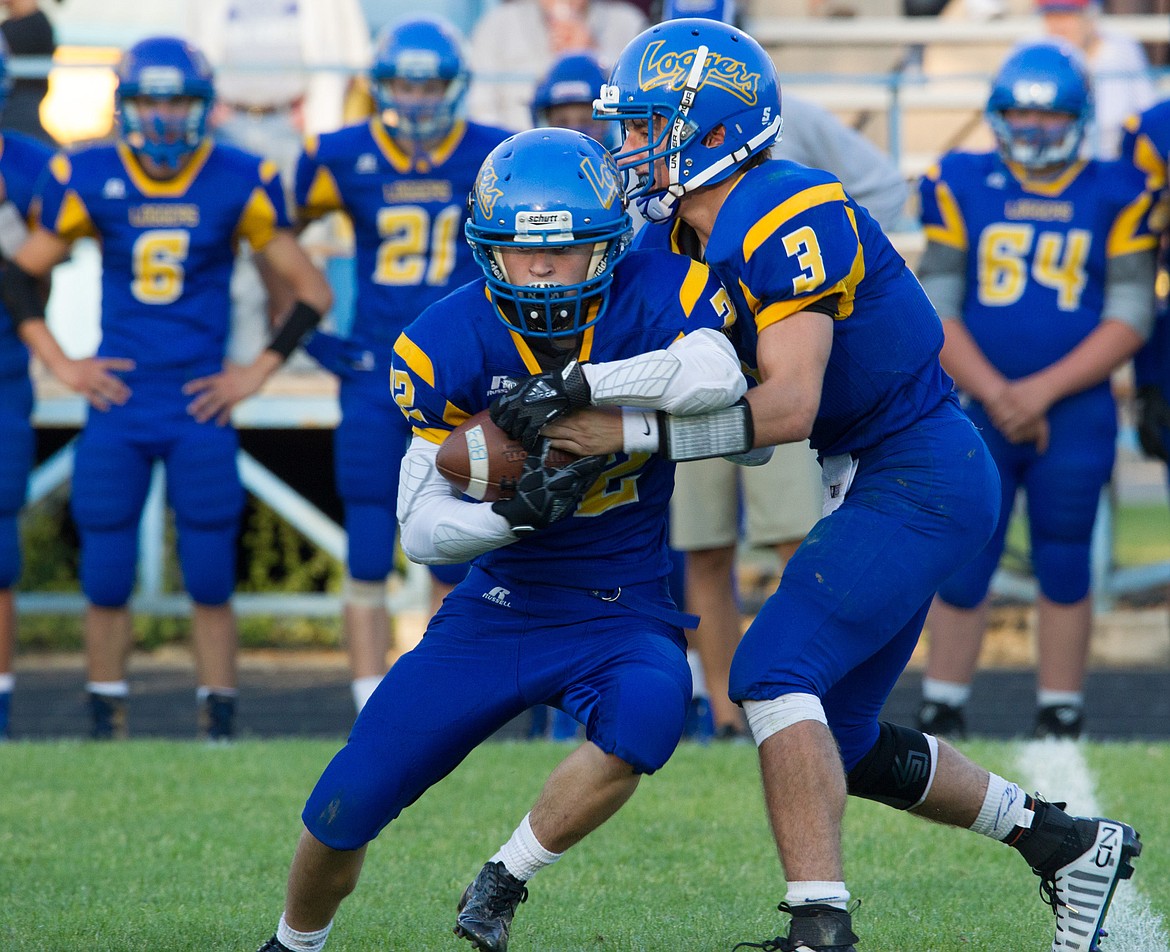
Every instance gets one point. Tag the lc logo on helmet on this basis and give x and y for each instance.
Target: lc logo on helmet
(669, 71)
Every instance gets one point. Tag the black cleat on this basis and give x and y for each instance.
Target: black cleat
(487, 907)
(942, 720)
(108, 717)
(274, 945)
(1060, 721)
(217, 717)
(815, 927)
(1080, 861)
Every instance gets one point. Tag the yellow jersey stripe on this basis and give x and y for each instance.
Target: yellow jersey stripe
(692, 287)
(414, 358)
(802, 201)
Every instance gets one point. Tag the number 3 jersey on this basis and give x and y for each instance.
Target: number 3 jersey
(459, 356)
(788, 239)
(1037, 254)
(408, 213)
(168, 247)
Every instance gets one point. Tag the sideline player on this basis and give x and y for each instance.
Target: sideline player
(845, 344)
(168, 206)
(1041, 265)
(22, 160)
(567, 602)
(402, 178)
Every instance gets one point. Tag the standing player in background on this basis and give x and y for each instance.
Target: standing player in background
(403, 179)
(168, 206)
(1042, 267)
(1146, 146)
(22, 159)
(845, 346)
(567, 602)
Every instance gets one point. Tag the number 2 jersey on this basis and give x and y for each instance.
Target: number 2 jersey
(1037, 254)
(408, 214)
(168, 248)
(787, 239)
(459, 356)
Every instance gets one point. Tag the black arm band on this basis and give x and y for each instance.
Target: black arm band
(22, 294)
(301, 319)
(725, 432)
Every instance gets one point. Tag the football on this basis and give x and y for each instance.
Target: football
(483, 462)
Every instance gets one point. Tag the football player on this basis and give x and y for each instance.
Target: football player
(845, 345)
(168, 207)
(567, 602)
(22, 159)
(1042, 268)
(402, 178)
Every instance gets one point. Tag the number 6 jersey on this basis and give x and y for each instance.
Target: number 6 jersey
(168, 247)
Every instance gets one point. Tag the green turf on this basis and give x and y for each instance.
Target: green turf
(176, 846)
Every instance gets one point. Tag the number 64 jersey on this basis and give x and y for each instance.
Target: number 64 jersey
(168, 247)
(1037, 254)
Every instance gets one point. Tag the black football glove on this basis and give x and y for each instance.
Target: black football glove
(1153, 418)
(539, 400)
(544, 495)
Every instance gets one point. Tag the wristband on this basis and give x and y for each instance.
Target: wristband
(640, 432)
(301, 319)
(13, 230)
(725, 432)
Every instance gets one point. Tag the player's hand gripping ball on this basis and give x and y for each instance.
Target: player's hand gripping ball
(483, 462)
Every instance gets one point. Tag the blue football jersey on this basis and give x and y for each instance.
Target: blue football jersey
(407, 212)
(1036, 253)
(1146, 145)
(168, 248)
(459, 356)
(788, 236)
(22, 162)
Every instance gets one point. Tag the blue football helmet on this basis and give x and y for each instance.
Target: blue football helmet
(1047, 76)
(5, 77)
(164, 67)
(696, 75)
(573, 79)
(554, 187)
(419, 49)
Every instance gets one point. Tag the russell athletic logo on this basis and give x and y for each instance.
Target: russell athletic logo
(498, 596)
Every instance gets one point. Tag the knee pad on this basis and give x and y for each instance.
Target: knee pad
(898, 770)
(108, 564)
(370, 531)
(766, 718)
(363, 594)
(9, 551)
(208, 559)
(1062, 569)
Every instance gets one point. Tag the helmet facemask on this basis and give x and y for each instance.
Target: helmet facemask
(166, 136)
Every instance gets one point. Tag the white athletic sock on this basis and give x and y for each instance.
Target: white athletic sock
(1046, 698)
(1003, 809)
(698, 682)
(810, 891)
(945, 692)
(522, 855)
(7, 683)
(108, 688)
(362, 688)
(302, 941)
(203, 692)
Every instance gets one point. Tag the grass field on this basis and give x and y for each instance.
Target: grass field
(168, 847)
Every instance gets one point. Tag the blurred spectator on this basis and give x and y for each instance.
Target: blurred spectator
(515, 44)
(1117, 64)
(28, 32)
(269, 57)
(462, 14)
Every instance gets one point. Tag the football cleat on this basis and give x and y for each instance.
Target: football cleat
(217, 717)
(1060, 721)
(274, 945)
(487, 907)
(942, 720)
(1087, 858)
(108, 717)
(815, 927)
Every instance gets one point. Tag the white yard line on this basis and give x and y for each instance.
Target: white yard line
(1057, 769)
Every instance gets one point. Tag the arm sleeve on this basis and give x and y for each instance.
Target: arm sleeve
(696, 373)
(942, 271)
(1129, 291)
(436, 526)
